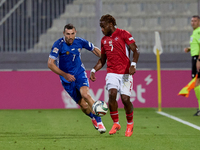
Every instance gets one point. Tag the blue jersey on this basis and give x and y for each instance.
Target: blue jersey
(68, 56)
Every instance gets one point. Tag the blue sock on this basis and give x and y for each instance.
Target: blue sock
(98, 119)
(91, 115)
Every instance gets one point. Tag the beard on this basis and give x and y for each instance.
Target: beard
(109, 33)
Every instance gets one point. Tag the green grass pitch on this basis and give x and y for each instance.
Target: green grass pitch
(70, 129)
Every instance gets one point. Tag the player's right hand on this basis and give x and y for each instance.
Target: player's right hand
(92, 76)
(69, 77)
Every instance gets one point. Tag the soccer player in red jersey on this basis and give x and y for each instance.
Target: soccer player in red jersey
(115, 49)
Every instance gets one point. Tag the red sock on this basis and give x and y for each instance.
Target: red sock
(115, 117)
(129, 118)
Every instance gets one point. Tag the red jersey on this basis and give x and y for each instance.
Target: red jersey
(117, 53)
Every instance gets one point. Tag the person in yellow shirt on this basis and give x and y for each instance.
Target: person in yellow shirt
(194, 50)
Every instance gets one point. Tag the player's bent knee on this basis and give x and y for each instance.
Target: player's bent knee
(84, 106)
(112, 94)
(125, 99)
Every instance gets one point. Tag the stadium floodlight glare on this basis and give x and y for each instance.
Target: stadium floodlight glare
(158, 50)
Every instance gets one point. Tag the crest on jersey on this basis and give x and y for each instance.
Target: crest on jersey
(55, 50)
(67, 52)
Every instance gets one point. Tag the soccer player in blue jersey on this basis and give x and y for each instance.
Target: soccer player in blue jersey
(65, 60)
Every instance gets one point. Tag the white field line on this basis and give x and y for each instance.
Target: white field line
(179, 120)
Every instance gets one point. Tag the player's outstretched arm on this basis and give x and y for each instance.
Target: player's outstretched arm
(101, 62)
(136, 54)
(97, 51)
(55, 69)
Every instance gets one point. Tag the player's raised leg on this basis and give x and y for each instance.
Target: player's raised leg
(85, 108)
(84, 90)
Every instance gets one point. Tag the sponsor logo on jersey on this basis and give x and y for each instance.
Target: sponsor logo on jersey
(73, 49)
(55, 50)
(116, 38)
(85, 83)
(67, 52)
(131, 38)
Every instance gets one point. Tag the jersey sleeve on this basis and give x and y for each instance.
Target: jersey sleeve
(55, 50)
(128, 37)
(87, 45)
(197, 36)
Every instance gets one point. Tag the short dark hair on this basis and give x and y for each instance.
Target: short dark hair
(109, 19)
(196, 16)
(69, 26)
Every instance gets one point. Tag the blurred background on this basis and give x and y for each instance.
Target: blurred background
(28, 29)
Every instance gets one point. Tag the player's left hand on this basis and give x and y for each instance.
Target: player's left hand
(92, 76)
(132, 70)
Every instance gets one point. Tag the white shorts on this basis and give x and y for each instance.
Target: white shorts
(122, 82)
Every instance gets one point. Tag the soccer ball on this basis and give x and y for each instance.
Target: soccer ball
(100, 108)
